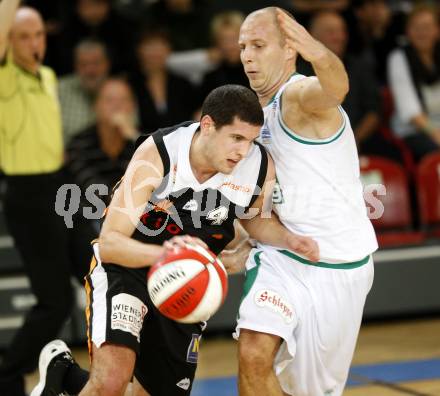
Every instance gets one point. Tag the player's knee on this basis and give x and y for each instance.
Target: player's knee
(111, 383)
(253, 359)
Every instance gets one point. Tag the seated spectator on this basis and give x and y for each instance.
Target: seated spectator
(164, 99)
(362, 102)
(414, 78)
(100, 153)
(96, 19)
(303, 10)
(374, 34)
(77, 91)
(225, 29)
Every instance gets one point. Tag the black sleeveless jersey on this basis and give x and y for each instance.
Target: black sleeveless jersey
(183, 206)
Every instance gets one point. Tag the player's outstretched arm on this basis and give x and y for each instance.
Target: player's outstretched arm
(326, 91)
(266, 227)
(8, 8)
(144, 174)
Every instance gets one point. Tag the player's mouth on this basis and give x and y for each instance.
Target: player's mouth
(232, 163)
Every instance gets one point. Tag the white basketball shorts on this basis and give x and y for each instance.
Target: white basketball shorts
(316, 308)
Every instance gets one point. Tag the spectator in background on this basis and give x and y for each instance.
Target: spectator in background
(374, 34)
(96, 19)
(362, 102)
(303, 10)
(414, 78)
(77, 91)
(31, 157)
(100, 153)
(187, 22)
(164, 98)
(225, 29)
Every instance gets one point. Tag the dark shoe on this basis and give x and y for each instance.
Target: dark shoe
(55, 359)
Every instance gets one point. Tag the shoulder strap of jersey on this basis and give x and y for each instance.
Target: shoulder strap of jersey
(293, 78)
(261, 175)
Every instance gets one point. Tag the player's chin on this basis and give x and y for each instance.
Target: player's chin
(229, 166)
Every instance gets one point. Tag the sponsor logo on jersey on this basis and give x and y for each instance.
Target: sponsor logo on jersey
(272, 300)
(193, 350)
(184, 383)
(128, 314)
(236, 187)
(191, 205)
(218, 215)
(265, 134)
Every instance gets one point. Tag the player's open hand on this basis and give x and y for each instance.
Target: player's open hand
(304, 246)
(181, 242)
(298, 38)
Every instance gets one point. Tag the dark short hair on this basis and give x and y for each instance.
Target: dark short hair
(225, 103)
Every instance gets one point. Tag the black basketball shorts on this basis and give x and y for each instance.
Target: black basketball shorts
(119, 311)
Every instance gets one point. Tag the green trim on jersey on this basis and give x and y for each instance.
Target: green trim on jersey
(251, 276)
(354, 264)
(314, 142)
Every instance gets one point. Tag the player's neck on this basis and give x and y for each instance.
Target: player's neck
(200, 165)
(266, 95)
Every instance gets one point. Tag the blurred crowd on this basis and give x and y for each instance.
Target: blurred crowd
(171, 53)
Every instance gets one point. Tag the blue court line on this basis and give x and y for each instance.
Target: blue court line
(388, 372)
(398, 371)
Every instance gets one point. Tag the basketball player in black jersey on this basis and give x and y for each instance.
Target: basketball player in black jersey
(185, 184)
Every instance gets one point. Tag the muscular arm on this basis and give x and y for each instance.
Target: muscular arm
(8, 9)
(144, 174)
(309, 106)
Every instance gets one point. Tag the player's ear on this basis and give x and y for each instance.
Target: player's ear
(207, 124)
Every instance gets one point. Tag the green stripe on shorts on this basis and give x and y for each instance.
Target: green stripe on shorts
(251, 276)
(354, 264)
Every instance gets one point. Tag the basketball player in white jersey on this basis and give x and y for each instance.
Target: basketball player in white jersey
(298, 321)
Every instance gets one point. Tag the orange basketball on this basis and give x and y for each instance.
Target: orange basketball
(189, 285)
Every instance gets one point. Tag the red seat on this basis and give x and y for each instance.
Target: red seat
(388, 134)
(393, 227)
(428, 191)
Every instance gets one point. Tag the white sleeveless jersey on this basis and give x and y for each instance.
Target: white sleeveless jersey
(318, 192)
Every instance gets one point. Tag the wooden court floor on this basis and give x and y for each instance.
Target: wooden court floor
(403, 341)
